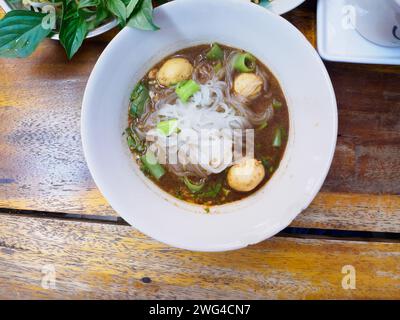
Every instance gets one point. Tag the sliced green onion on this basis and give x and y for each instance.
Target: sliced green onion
(217, 67)
(277, 142)
(193, 187)
(168, 127)
(185, 89)
(133, 140)
(151, 164)
(139, 98)
(276, 104)
(178, 194)
(226, 192)
(271, 169)
(244, 62)
(215, 53)
(267, 163)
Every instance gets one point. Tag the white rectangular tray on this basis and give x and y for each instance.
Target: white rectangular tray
(338, 43)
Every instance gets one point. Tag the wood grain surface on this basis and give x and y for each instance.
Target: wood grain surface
(115, 262)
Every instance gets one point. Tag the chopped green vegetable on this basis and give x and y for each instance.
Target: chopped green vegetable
(178, 194)
(193, 187)
(139, 98)
(215, 53)
(185, 89)
(276, 104)
(226, 192)
(151, 164)
(217, 67)
(207, 209)
(168, 127)
(212, 191)
(277, 142)
(271, 169)
(134, 142)
(267, 163)
(21, 31)
(244, 62)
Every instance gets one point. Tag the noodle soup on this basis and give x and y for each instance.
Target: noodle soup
(208, 124)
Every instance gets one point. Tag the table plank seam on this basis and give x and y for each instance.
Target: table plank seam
(289, 232)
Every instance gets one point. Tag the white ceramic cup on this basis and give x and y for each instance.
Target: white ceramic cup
(378, 20)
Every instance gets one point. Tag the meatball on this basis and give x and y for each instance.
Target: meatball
(173, 71)
(246, 175)
(248, 85)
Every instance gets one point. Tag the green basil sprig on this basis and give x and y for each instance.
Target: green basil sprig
(21, 31)
(74, 28)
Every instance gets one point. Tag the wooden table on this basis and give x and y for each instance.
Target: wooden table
(60, 239)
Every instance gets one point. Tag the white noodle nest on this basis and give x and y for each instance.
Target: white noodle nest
(204, 142)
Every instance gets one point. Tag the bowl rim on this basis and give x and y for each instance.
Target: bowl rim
(286, 220)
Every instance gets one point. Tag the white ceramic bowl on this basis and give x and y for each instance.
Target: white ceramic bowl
(312, 134)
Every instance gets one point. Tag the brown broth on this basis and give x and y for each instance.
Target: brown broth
(263, 150)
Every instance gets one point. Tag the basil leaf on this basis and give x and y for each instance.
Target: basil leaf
(142, 17)
(139, 98)
(130, 7)
(21, 31)
(192, 186)
(101, 14)
(117, 8)
(133, 140)
(73, 29)
(70, 10)
(212, 191)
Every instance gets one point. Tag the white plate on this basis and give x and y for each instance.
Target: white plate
(7, 6)
(281, 6)
(338, 41)
(312, 134)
